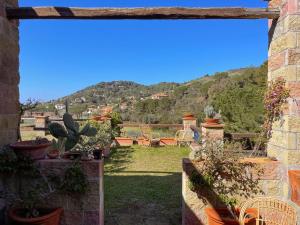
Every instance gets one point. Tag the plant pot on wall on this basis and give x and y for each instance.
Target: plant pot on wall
(211, 121)
(222, 216)
(31, 148)
(48, 217)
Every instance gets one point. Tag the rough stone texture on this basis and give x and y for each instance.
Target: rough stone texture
(9, 75)
(193, 207)
(41, 122)
(212, 132)
(187, 123)
(87, 210)
(284, 61)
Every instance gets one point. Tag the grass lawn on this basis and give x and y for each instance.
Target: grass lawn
(143, 186)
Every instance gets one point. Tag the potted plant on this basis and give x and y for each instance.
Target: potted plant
(102, 140)
(26, 191)
(36, 149)
(220, 176)
(210, 114)
(58, 148)
(72, 133)
(26, 188)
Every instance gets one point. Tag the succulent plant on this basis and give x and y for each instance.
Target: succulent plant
(71, 131)
(210, 112)
(59, 144)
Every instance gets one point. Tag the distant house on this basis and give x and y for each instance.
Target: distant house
(60, 106)
(158, 96)
(106, 110)
(80, 100)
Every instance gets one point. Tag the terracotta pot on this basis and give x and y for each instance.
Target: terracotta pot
(124, 141)
(53, 154)
(188, 116)
(143, 142)
(97, 118)
(211, 121)
(222, 216)
(29, 148)
(50, 218)
(168, 141)
(72, 155)
(294, 177)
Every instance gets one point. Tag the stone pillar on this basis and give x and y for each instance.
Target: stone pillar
(212, 132)
(9, 75)
(41, 122)
(188, 121)
(284, 61)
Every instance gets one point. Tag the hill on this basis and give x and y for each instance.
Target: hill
(238, 94)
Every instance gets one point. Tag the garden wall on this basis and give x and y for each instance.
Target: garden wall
(9, 75)
(87, 210)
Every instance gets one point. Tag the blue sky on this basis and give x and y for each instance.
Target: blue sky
(60, 57)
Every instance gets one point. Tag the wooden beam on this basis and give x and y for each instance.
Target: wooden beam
(140, 13)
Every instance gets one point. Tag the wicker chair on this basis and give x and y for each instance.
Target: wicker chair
(184, 137)
(268, 211)
(147, 136)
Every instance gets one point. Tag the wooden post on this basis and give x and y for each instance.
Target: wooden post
(140, 13)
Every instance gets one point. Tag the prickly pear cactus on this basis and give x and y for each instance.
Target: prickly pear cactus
(71, 131)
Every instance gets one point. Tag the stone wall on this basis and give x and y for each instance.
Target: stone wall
(88, 210)
(9, 75)
(284, 61)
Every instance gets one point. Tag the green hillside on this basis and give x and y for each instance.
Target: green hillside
(238, 94)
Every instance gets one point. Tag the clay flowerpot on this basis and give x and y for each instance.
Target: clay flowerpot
(53, 154)
(48, 217)
(222, 216)
(211, 121)
(188, 116)
(168, 141)
(31, 149)
(124, 141)
(72, 155)
(143, 142)
(97, 118)
(294, 177)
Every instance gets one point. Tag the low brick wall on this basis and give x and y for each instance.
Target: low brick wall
(89, 209)
(193, 206)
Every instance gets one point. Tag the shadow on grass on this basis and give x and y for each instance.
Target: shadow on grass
(143, 198)
(118, 159)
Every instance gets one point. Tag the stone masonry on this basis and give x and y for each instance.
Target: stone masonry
(284, 61)
(9, 75)
(88, 209)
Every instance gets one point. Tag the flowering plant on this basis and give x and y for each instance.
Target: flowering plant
(276, 95)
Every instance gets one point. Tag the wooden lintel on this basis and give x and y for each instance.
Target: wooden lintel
(140, 13)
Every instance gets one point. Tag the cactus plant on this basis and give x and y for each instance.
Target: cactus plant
(72, 131)
(209, 112)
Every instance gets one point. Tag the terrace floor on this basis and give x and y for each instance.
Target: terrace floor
(143, 186)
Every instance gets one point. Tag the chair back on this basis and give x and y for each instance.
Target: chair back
(267, 211)
(146, 132)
